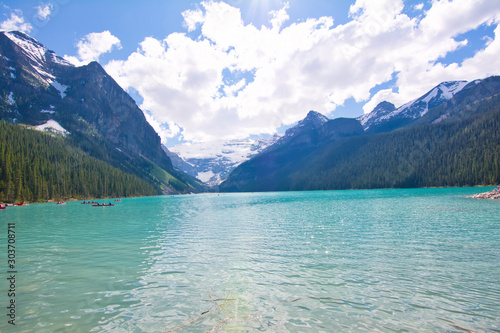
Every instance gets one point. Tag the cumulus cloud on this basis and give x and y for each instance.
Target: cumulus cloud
(165, 130)
(16, 22)
(44, 11)
(92, 46)
(235, 79)
(279, 16)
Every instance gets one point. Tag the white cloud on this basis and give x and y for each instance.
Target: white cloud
(279, 16)
(235, 79)
(433, 38)
(44, 11)
(92, 46)
(16, 22)
(165, 130)
(193, 18)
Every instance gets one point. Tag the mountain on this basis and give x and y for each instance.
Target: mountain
(38, 87)
(461, 106)
(212, 161)
(312, 121)
(267, 171)
(439, 141)
(179, 163)
(386, 117)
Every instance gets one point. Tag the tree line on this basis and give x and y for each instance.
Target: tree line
(36, 166)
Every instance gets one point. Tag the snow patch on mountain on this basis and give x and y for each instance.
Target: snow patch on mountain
(12, 72)
(58, 60)
(35, 50)
(60, 87)
(453, 88)
(10, 99)
(53, 127)
(206, 177)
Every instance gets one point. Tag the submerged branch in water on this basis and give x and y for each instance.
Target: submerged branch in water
(458, 326)
(189, 322)
(228, 319)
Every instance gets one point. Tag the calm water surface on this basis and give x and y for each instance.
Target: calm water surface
(424, 260)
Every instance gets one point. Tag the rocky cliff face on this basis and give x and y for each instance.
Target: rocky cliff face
(96, 98)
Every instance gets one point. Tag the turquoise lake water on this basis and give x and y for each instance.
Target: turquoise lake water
(418, 260)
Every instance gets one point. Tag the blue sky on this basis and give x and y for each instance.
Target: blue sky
(231, 69)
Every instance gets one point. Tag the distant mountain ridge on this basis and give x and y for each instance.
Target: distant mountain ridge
(87, 106)
(312, 121)
(37, 86)
(386, 116)
(212, 162)
(367, 152)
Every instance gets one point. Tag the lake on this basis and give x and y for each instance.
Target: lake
(403, 260)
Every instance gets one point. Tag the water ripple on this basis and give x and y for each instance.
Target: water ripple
(350, 261)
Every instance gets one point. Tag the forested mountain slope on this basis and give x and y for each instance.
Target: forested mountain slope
(36, 166)
(462, 151)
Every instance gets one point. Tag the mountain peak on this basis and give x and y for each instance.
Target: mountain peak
(18, 36)
(385, 106)
(382, 109)
(386, 117)
(313, 116)
(35, 51)
(313, 120)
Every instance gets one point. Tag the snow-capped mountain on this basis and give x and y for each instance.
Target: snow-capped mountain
(42, 90)
(212, 161)
(40, 58)
(386, 116)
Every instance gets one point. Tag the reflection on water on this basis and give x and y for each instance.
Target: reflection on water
(351, 261)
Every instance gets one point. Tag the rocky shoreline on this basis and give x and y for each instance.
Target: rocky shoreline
(495, 194)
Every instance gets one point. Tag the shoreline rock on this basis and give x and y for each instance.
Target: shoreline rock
(494, 194)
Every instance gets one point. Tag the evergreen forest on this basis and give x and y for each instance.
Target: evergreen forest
(36, 166)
